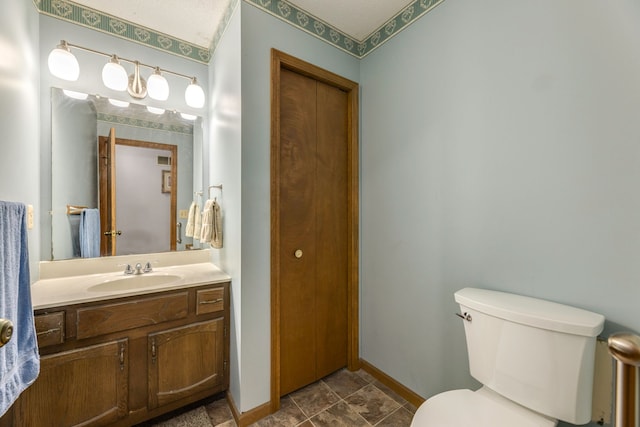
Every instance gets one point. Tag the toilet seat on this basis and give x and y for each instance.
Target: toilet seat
(482, 408)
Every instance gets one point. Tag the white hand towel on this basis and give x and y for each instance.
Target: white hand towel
(197, 227)
(188, 232)
(216, 228)
(207, 222)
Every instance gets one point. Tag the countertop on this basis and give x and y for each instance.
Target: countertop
(70, 290)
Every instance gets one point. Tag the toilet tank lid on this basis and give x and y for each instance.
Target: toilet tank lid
(532, 311)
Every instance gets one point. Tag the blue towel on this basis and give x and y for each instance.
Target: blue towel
(89, 233)
(19, 358)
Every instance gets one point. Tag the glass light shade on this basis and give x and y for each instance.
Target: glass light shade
(63, 64)
(155, 110)
(114, 76)
(157, 86)
(194, 95)
(188, 116)
(118, 103)
(75, 95)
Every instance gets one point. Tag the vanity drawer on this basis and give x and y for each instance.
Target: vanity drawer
(209, 300)
(108, 318)
(50, 328)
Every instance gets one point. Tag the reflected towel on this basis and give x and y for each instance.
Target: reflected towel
(207, 222)
(197, 227)
(216, 228)
(89, 233)
(19, 358)
(191, 220)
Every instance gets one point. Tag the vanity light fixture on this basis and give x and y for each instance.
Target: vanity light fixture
(157, 86)
(63, 64)
(114, 76)
(194, 95)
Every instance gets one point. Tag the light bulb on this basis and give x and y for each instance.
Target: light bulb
(114, 76)
(194, 95)
(75, 95)
(157, 86)
(188, 116)
(63, 64)
(118, 103)
(155, 110)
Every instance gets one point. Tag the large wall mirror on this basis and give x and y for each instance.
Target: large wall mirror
(137, 167)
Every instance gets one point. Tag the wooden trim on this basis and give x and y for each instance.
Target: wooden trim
(244, 419)
(280, 60)
(411, 396)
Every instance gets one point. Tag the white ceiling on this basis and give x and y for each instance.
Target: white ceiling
(196, 21)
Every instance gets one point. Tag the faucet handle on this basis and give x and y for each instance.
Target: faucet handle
(147, 267)
(128, 269)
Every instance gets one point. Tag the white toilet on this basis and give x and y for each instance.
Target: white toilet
(534, 358)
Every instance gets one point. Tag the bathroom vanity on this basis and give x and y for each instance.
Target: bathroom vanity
(119, 356)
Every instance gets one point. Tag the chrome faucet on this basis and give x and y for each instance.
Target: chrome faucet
(138, 269)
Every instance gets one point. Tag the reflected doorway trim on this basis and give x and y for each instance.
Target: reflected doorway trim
(280, 60)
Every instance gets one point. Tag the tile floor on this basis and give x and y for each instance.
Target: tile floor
(342, 399)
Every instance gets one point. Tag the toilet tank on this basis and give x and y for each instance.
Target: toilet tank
(536, 353)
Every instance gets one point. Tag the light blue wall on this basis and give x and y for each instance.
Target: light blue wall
(500, 149)
(20, 145)
(261, 32)
(225, 168)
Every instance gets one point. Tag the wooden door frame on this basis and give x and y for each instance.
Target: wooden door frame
(280, 60)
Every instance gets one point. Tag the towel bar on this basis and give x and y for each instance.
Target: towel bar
(625, 349)
(75, 210)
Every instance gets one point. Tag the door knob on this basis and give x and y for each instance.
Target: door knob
(6, 330)
(113, 233)
(298, 253)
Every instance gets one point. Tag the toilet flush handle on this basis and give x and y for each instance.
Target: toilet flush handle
(466, 316)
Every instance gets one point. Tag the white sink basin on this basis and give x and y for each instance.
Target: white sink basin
(135, 281)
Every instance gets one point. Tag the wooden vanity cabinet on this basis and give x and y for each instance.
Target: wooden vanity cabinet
(122, 361)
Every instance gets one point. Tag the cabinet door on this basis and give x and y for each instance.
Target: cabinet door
(87, 386)
(185, 360)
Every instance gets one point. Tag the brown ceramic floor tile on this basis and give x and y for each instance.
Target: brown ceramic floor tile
(314, 398)
(392, 394)
(306, 424)
(289, 415)
(339, 414)
(344, 382)
(372, 403)
(365, 376)
(195, 418)
(400, 418)
(219, 411)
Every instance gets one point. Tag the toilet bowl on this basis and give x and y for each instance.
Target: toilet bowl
(534, 359)
(481, 408)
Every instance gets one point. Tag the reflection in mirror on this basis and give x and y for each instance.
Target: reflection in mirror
(132, 167)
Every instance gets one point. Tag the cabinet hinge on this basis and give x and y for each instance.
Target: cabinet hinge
(224, 331)
(224, 366)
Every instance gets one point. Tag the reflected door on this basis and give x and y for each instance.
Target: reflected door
(138, 195)
(107, 179)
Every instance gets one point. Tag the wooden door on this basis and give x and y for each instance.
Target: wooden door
(314, 221)
(184, 361)
(107, 192)
(80, 387)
